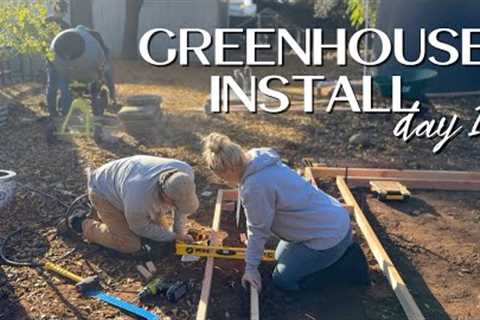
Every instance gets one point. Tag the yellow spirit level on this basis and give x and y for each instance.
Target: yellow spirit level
(218, 252)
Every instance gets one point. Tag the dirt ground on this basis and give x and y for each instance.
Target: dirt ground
(433, 238)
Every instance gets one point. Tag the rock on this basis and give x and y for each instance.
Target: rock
(360, 139)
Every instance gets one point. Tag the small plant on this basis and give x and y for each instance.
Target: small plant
(355, 9)
(25, 28)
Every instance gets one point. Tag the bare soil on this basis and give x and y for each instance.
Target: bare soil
(434, 240)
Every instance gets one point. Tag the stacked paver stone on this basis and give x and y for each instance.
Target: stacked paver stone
(141, 115)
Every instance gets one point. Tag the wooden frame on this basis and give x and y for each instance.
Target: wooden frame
(386, 265)
(346, 178)
(254, 304)
(207, 277)
(215, 240)
(415, 179)
(222, 197)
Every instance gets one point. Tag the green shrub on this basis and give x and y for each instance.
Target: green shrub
(25, 29)
(337, 8)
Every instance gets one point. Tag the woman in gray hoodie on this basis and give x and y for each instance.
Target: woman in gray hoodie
(314, 228)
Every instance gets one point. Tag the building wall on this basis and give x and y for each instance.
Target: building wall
(431, 15)
(176, 14)
(109, 19)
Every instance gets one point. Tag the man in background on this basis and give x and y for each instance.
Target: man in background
(80, 55)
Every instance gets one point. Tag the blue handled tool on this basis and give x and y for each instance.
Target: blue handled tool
(121, 304)
(90, 287)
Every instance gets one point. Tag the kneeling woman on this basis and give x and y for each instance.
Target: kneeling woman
(315, 229)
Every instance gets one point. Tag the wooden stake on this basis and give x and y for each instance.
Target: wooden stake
(207, 277)
(239, 207)
(254, 305)
(386, 265)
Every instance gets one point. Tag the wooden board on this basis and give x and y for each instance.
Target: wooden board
(386, 265)
(322, 171)
(232, 195)
(454, 185)
(389, 190)
(413, 179)
(254, 305)
(207, 277)
(216, 240)
(222, 197)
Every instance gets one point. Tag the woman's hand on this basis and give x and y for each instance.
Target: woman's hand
(184, 237)
(253, 278)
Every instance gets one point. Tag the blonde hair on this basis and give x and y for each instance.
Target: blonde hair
(221, 154)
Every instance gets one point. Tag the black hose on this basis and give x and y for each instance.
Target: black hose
(74, 203)
(43, 194)
(4, 257)
(72, 206)
(33, 263)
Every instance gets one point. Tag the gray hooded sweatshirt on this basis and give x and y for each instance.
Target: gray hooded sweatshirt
(130, 185)
(277, 200)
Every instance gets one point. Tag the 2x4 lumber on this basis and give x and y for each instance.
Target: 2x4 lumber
(333, 172)
(414, 179)
(440, 184)
(308, 175)
(223, 195)
(230, 195)
(254, 304)
(207, 277)
(386, 265)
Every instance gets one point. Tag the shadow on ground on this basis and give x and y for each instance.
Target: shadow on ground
(413, 279)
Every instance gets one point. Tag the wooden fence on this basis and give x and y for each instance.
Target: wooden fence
(21, 68)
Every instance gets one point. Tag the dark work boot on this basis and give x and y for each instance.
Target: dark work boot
(72, 225)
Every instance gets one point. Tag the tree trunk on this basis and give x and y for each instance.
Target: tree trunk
(129, 50)
(81, 13)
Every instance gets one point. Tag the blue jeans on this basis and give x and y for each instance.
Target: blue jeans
(296, 261)
(55, 83)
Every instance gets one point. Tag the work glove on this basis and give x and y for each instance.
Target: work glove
(253, 278)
